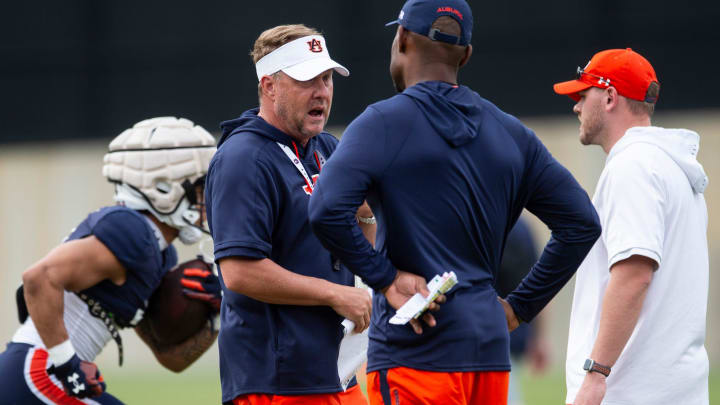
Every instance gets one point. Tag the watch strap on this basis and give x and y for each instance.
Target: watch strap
(592, 366)
(369, 221)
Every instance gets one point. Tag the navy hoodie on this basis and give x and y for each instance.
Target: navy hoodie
(257, 207)
(447, 174)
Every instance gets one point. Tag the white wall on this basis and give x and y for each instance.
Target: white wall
(46, 189)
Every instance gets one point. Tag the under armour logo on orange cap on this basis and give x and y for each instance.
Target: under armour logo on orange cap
(624, 69)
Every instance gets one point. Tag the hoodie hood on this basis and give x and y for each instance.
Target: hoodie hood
(453, 111)
(247, 121)
(681, 145)
(250, 121)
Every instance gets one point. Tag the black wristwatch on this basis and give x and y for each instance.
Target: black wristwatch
(590, 366)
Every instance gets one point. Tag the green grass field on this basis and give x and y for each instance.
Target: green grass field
(550, 388)
(199, 386)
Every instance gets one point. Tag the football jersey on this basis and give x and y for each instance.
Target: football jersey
(133, 240)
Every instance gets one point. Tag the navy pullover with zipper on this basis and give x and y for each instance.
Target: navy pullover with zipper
(447, 174)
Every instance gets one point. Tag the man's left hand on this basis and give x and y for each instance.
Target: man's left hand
(202, 285)
(512, 320)
(592, 390)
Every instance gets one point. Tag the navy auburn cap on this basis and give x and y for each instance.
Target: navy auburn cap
(418, 16)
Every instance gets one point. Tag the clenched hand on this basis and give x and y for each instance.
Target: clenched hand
(354, 304)
(403, 288)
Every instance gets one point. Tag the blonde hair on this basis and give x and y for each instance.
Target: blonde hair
(273, 38)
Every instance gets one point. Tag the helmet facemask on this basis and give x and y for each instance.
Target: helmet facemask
(159, 166)
(193, 213)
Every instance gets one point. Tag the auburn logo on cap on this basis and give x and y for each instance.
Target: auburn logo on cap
(315, 45)
(450, 10)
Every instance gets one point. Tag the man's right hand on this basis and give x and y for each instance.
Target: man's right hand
(403, 288)
(354, 304)
(80, 378)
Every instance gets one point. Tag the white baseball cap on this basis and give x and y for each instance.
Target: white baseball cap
(302, 59)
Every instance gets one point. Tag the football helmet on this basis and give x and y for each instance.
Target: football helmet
(157, 165)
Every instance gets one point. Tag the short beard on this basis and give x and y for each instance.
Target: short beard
(593, 127)
(283, 114)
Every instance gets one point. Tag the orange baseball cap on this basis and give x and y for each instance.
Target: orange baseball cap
(624, 69)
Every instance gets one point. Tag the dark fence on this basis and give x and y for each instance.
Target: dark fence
(81, 69)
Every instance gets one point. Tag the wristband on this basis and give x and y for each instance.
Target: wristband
(369, 221)
(61, 353)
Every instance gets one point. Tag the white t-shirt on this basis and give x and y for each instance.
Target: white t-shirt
(650, 203)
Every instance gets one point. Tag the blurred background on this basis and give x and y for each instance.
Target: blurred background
(75, 74)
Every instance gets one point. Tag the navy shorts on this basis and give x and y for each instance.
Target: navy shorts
(24, 380)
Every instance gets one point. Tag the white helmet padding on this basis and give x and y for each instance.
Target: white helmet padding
(155, 164)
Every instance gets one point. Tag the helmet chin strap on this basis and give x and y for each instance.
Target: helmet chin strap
(182, 219)
(190, 235)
